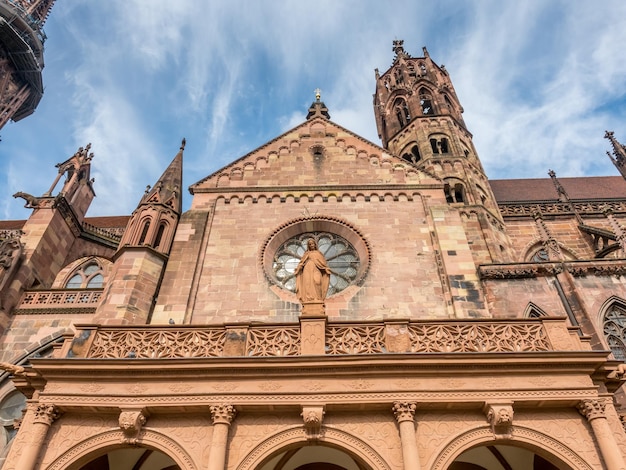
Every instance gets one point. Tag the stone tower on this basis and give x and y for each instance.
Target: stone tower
(21, 56)
(419, 118)
(143, 251)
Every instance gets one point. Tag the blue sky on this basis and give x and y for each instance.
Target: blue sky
(540, 81)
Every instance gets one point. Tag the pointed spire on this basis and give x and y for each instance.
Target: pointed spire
(167, 190)
(619, 151)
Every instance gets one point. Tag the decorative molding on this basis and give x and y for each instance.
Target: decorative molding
(500, 418)
(526, 209)
(596, 267)
(313, 416)
(131, 422)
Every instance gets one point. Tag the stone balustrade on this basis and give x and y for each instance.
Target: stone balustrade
(61, 298)
(324, 338)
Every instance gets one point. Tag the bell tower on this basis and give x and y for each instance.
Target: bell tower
(419, 118)
(21, 56)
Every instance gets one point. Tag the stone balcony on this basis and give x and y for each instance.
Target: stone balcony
(47, 301)
(318, 336)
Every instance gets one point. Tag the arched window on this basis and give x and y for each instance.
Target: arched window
(144, 233)
(455, 192)
(412, 155)
(159, 236)
(426, 102)
(614, 327)
(87, 276)
(402, 112)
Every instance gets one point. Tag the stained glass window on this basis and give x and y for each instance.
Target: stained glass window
(340, 255)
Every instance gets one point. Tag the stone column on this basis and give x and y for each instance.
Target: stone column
(45, 414)
(593, 410)
(222, 416)
(405, 415)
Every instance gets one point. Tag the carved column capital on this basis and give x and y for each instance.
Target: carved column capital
(131, 422)
(46, 413)
(500, 417)
(223, 413)
(313, 416)
(592, 409)
(404, 411)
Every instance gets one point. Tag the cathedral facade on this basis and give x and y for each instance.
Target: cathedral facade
(462, 323)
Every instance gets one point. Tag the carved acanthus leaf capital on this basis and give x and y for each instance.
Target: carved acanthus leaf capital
(223, 413)
(46, 413)
(500, 417)
(404, 411)
(131, 422)
(592, 409)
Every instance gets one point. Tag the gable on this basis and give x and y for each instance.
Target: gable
(316, 153)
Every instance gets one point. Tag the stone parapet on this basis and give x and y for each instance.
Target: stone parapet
(340, 338)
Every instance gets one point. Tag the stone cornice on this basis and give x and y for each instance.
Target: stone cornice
(595, 267)
(271, 190)
(556, 208)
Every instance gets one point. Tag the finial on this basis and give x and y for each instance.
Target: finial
(318, 94)
(183, 143)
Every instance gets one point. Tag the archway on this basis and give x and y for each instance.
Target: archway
(291, 450)
(476, 449)
(503, 457)
(155, 451)
(312, 457)
(135, 458)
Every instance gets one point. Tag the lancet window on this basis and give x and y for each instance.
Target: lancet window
(402, 112)
(615, 330)
(426, 102)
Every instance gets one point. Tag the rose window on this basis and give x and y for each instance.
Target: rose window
(341, 256)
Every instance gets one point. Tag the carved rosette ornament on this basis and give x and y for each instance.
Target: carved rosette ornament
(223, 414)
(592, 409)
(313, 416)
(46, 413)
(404, 411)
(500, 417)
(131, 423)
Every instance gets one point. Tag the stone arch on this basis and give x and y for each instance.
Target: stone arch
(530, 439)
(533, 311)
(331, 437)
(100, 444)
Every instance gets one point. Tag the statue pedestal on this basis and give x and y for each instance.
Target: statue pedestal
(315, 308)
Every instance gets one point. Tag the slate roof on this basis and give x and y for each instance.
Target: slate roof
(542, 189)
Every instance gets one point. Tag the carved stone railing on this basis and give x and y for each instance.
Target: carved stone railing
(61, 298)
(369, 338)
(595, 267)
(112, 234)
(559, 208)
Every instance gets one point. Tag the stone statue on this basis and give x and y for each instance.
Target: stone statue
(312, 275)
